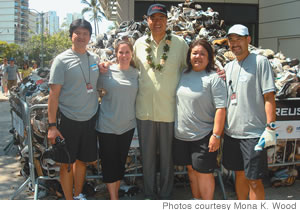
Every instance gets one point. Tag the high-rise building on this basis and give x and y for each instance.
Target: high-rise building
(52, 22)
(33, 27)
(72, 16)
(14, 15)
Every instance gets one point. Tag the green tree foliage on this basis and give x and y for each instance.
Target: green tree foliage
(93, 6)
(53, 45)
(11, 50)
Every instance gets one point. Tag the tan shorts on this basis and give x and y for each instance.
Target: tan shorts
(11, 83)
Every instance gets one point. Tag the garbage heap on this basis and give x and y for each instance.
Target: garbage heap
(187, 20)
(191, 22)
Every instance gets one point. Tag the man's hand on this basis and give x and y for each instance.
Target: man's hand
(53, 132)
(268, 138)
(103, 67)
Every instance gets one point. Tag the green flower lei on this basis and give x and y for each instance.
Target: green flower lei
(164, 56)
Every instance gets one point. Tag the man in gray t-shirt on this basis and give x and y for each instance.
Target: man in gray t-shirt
(250, 112)
(12, 74)
(73, 80)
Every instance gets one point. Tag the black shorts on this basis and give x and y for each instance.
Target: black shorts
(81, 140)
(239, 155)
(195, 153)
(113, 153)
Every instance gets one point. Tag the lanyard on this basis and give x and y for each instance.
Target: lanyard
(88, 56)
(237, 80)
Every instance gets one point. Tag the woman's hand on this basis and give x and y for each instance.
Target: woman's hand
(214, 144)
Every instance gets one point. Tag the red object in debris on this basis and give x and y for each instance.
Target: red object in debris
(40, 81)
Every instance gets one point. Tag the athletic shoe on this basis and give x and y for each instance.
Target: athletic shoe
(80, 197)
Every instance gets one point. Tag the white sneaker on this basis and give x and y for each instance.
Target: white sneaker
(79, 197)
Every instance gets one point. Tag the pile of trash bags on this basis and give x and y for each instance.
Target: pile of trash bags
(187, 20)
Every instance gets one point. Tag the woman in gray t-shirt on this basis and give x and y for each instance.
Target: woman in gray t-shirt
(116, 122)
(199, 119)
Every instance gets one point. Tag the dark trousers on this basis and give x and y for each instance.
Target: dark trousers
(155, 139)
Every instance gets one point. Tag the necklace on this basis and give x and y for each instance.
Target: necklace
(164, 56)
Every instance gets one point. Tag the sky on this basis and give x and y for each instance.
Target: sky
(62, 7)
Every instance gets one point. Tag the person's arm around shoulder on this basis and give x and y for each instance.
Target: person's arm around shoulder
(185, 49)
(104, 66)
(53, 132)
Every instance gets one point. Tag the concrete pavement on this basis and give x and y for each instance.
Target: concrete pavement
(2, 97)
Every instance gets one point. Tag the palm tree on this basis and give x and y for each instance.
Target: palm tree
(97, 14)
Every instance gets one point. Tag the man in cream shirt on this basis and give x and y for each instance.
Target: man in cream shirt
(160, 56)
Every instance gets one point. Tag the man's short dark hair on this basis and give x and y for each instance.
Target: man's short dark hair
(80, 23)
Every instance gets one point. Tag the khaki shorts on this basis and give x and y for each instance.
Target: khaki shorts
(11, 83)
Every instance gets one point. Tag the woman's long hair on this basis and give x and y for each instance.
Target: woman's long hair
(211, 61)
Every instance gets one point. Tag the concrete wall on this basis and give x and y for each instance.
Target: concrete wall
(279, 26)
(125, 10)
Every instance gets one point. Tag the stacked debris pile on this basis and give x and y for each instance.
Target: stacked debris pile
(191, 22)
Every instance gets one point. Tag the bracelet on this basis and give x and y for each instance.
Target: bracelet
(51, 125)
(217, 136)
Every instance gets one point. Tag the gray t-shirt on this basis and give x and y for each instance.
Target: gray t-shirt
(117, 109)
(198, 96)
(11, 72)
(250, 79)
(73, 71)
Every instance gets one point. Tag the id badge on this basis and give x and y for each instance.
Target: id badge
(233, 99)
(89, 88)
(94, 67)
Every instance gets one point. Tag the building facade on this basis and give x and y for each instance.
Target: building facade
(279, 26)
(51, 22)
(33, 27)
(14, 21)
(70, 17)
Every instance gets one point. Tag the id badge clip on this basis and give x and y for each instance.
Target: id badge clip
(89, 88)
(233, 99)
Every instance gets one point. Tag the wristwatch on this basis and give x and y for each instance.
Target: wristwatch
(271, 125)
(217, 136)
(51, 125)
